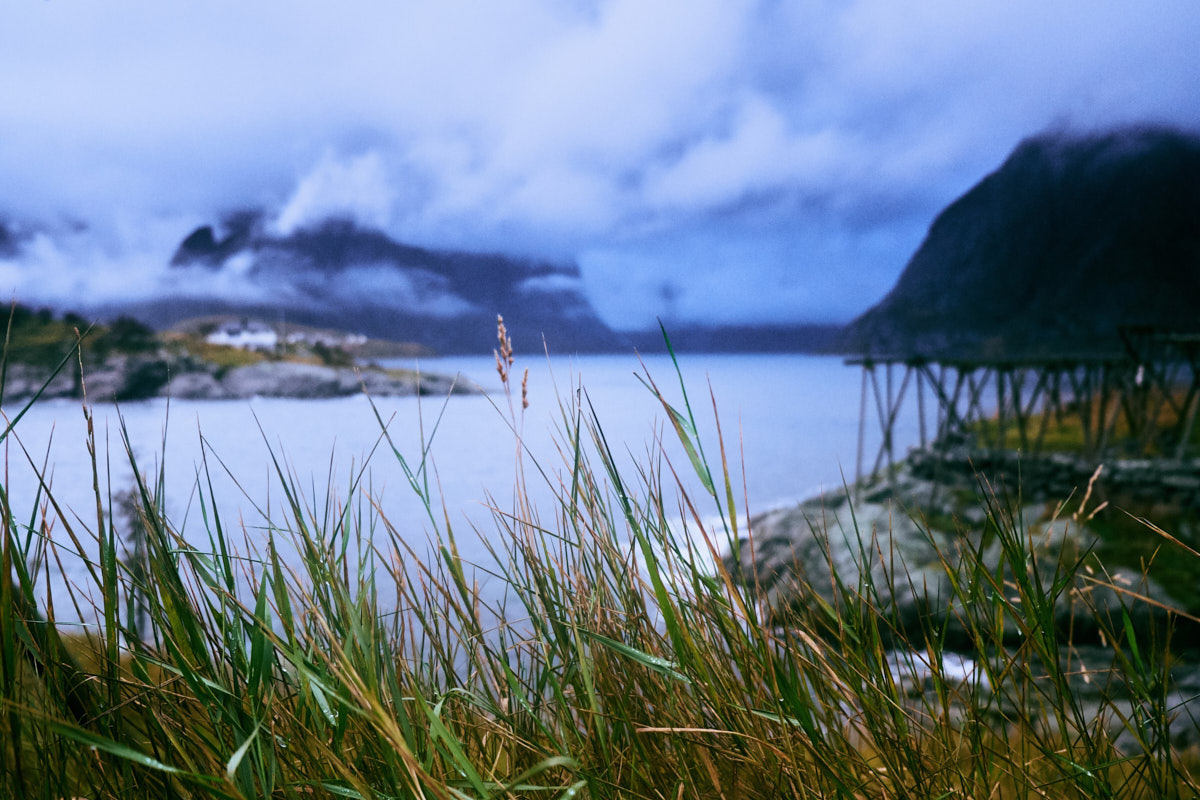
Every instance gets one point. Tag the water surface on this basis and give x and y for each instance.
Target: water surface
(791, 421)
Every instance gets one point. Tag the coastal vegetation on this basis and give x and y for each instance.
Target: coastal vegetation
(42, 337)
(609, 651)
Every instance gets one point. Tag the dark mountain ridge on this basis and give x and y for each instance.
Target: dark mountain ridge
(10, 240)
(762, 338)
(1070, 239)
(339, 274)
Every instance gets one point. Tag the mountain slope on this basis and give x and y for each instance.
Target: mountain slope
(338, 274)
(1069, 239)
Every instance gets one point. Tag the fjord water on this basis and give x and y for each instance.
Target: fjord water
(792, 420)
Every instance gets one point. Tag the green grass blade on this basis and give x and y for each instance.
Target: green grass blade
(235, 760)
(658, 664)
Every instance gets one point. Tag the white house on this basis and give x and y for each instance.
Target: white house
(246, 334)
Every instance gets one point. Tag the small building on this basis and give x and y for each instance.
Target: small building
(246, 335)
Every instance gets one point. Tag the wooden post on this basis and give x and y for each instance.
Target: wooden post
(1001, 410)
(1112, 383)
(862, 430)
(1189, 421)
(1164, 381)
(1083, 404)
(887, 432)
(947, 414)
(1191, 401)
(974, 408)
(1051, 403)
(1039, 387)
(921, 406)
(881, 409)
(893, 413)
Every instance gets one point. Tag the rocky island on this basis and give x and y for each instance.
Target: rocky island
(54, 357)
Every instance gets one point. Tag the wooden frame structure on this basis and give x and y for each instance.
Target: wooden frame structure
(1142, 402)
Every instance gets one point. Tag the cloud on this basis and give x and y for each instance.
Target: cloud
(358, 189)
(368, 283)
(609, 91)
(815, 138)
(75, 269)
(758, 155)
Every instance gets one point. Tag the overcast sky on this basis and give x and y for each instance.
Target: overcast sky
(720, 161)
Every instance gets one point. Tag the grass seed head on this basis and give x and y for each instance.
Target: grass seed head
(504, 356)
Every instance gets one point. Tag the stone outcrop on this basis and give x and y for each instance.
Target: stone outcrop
(196, 386)
(22, 381)
(310, 381)
(121, 379)
(903, 544)
(1163, 481)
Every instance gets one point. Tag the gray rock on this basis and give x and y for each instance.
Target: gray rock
(378, 383)
(195, 386)
(903, 553)
(891, 547)
(310, 382)
(122, 377)
(444, 384)
(861, 547)
(23, 381)
(104, 385)
(374, 383)
(283, 379)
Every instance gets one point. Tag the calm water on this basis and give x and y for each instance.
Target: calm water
(792, 420)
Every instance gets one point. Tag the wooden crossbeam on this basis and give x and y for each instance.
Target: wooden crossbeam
(921, 407)
(888, 409)
(974, 393)
(1001, 407)
(1115, 382)
(862, 426)
(1017, 382)
(1039, 387)
(1082, 400)
(1052, 405)
(947, 417)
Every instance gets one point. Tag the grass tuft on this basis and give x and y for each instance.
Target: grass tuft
(618, 661)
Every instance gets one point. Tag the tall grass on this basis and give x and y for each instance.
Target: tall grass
(618, 660)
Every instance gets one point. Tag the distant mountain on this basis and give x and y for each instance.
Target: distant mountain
(8, 241)
(340, 275)
(1072, 237)
(766, 338)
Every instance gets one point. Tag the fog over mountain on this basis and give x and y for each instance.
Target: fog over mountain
(711, 162)
(339, 274)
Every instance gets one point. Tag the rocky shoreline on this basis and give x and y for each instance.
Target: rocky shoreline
(127, 378)
(902, 543)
